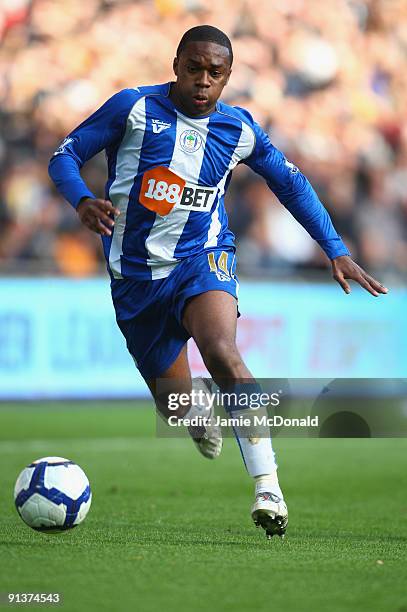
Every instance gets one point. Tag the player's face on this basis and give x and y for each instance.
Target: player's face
(202, 70)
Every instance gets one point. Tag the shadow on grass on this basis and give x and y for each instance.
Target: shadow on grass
(150, 540)
(250, 539)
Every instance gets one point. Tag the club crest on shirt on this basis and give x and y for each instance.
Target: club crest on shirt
(190, 141)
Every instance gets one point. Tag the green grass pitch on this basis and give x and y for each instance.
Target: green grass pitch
(170, 530)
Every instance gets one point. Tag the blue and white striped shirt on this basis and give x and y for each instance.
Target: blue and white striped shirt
(168, 174)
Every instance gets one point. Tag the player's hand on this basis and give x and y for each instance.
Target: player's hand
(344, 267)
(97, 215)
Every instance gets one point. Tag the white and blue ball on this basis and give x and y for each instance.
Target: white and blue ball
(52, 494)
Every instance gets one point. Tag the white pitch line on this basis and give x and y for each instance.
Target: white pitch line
(98, 444)
(85, 444)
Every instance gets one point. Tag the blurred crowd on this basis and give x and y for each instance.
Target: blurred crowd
(327, 80)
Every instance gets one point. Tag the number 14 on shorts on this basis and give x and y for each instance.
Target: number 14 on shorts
(220, 268)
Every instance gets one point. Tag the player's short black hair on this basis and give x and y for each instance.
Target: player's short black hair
(206, 33)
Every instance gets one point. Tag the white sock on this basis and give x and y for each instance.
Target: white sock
(194, 411)
(257, 453)
(199, 408)
(199, 403)
(254, 441)
(268, 483)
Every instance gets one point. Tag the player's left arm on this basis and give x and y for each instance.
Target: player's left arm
(344, 268)
(296, 193)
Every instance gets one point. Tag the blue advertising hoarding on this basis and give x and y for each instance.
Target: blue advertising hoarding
(59, 339)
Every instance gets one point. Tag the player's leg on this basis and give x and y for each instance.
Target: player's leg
(157, 341)
(176, 380)
(211, 318)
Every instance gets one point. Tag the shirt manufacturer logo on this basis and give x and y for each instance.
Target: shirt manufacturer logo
(190, 141)
(293, 169)
(63, 145)
(159, 126)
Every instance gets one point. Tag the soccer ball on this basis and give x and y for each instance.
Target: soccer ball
(52, 494)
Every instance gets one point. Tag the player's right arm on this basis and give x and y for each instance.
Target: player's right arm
(104, 129)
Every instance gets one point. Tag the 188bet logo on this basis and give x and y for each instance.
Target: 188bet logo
(162, 189)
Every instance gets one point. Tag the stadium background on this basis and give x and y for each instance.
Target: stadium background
(167, 529)
(328, 81)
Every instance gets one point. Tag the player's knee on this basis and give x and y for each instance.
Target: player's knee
(221, 357)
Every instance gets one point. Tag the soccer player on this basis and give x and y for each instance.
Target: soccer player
(171, 150)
